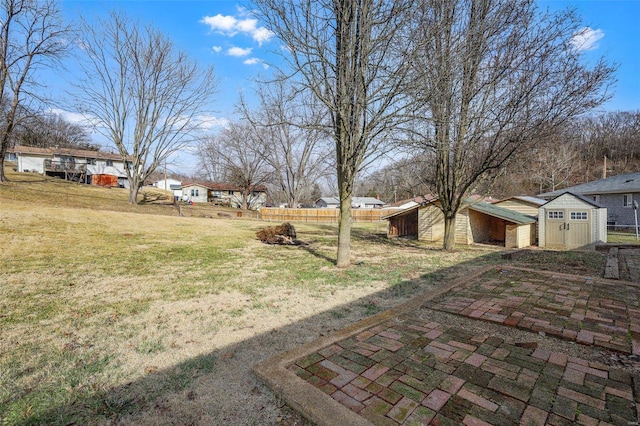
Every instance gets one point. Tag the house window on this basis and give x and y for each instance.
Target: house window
(596, 198)
(197, 192)
(579, 216)
(193, 192)
(11, 156)
(91, 161)
(555, 214)
(230, 192)
(109, 163)
(627, 200)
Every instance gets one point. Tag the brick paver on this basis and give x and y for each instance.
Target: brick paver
(411, 370)
(584, 310)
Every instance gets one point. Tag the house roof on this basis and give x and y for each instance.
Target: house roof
(354, 200)
(620, 184)
(536, 202)
(51, 152)
(329, 200)
(580, 197)
(367, 200)
(221, 186)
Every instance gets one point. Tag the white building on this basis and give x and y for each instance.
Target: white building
(175, 186)
(95, 167)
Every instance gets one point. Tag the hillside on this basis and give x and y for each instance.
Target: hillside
(47, 191)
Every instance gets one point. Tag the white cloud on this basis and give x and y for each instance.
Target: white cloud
(247, 25)
(217, 49)
(255, 61)
(220, 22)
(230, 26)
(262, 35)
(239, 51)
(586, 39)
(208, 122)
(73, 117)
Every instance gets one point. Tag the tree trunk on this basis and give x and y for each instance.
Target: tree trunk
(344, 233)
(133, 194)
(245, 198)
(449, 243)
(3, 153)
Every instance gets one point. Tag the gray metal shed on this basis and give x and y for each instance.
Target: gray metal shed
(572, 221)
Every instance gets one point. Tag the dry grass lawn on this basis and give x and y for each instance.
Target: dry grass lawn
(125, 318)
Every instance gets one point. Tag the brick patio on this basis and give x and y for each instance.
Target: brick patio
(588, 311)
(405, 369)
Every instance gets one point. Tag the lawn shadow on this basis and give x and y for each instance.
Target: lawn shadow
(175, 395)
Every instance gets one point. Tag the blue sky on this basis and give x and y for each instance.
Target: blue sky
(224, 34)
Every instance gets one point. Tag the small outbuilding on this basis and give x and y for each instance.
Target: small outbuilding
(477, 222)
(522, 204)
(572, 221)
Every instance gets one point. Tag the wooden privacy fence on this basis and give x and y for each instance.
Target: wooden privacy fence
(319, 215)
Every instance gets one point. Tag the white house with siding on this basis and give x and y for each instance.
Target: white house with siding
(81, 165)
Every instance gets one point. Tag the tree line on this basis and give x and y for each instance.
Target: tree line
(455, 92)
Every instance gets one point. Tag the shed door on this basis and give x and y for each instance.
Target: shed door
(568, 228)
(578, 229)
(555, 229)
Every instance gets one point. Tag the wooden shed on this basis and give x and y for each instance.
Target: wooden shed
(522, 204)
(572, 221)
(475, 223)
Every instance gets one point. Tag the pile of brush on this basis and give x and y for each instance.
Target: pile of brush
(284, 234)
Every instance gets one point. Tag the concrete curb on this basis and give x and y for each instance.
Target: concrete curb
(311, 402)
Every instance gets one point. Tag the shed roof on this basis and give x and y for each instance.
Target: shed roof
(502, 213)
(619, 184)
(578, 196)
(482, 207)
(524, 198)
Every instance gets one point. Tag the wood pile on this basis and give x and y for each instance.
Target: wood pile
(284, 234)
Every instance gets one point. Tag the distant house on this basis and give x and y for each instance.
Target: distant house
(356, 202)
(328, 202)
(92, 167)
(224, 194)
(175, 186)
(572, 221)
(478, 222)
(616, 193)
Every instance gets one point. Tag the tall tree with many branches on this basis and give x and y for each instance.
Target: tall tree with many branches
(142, 93)
(349, 54)
(33, 35)
(237, 155)
(492, 77)
(295, 142)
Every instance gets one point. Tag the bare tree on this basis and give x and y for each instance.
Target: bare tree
(295, 143)
(48, 130)
(494, 76)
(240, 159)
(552, 165)
(141, 93)
(348, 53)
(32, 36)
